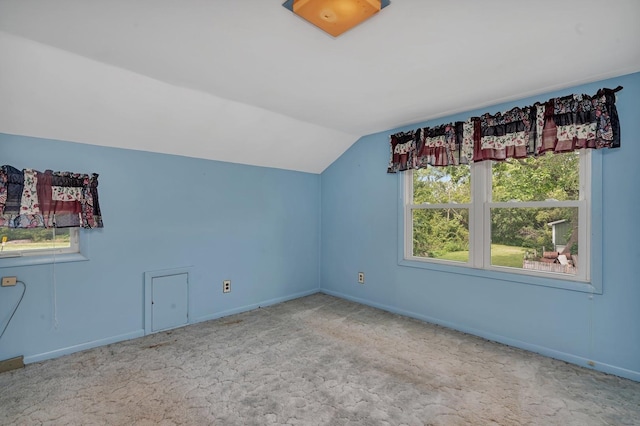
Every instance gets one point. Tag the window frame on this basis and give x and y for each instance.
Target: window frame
(588, 279)
(78, 251)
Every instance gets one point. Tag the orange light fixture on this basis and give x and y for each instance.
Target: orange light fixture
(335, 16)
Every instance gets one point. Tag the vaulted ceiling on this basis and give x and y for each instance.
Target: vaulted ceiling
(247, 81)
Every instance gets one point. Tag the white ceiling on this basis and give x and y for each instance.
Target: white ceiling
(247, 81)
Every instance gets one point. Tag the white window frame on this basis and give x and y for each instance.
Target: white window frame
(77, 251)
(74, 247)
(588, 276)
(408, 220)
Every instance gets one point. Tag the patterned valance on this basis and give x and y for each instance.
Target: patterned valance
(33, 199)
(558, 125)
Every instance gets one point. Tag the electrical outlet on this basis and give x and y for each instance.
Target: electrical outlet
(226, 286)
(9, 281)
(361, 277)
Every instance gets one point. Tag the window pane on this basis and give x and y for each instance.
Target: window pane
(534, 238)
(441, 233)
(550, 176)
(440, 185)
(35, 239)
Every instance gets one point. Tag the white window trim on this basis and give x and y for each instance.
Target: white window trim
(79, 251)
(74, 247)
(587, 280)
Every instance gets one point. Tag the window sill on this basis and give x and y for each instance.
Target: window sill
(585, 287)
(10, 262)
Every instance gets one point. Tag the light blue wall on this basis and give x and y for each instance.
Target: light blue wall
(360, 233)
(261, 228)
(258, 227)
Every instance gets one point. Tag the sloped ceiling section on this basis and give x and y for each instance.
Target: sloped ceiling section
(247, 81)
(50, 93)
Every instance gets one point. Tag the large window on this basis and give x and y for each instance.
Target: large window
(38, 241)
(528, 216)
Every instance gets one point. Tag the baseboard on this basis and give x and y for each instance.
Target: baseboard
(140, 333)
(551, 353)
(83, 346)
(253, 306)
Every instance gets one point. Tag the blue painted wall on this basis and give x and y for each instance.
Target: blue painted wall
(360, 233)
(258, 227)
(280, 234)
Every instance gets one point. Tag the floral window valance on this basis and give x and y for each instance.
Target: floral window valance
(33, 199)
(558, 125)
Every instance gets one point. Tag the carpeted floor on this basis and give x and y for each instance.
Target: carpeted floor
(317, 360)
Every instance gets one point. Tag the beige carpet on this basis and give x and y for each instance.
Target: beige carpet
(318, 360)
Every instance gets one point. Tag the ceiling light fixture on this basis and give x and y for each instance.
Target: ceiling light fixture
(336, 16)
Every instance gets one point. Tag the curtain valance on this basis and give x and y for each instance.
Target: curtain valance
(33, 199)
(558, 125)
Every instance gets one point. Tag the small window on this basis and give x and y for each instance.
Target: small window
(528, 216)
(39, 241)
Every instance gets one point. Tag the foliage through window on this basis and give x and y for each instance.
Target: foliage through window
(528, 215)
(442, 196)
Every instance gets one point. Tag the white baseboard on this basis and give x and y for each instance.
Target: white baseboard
(140, 333)
(253, 306)
(83, 346)
(551, 353)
